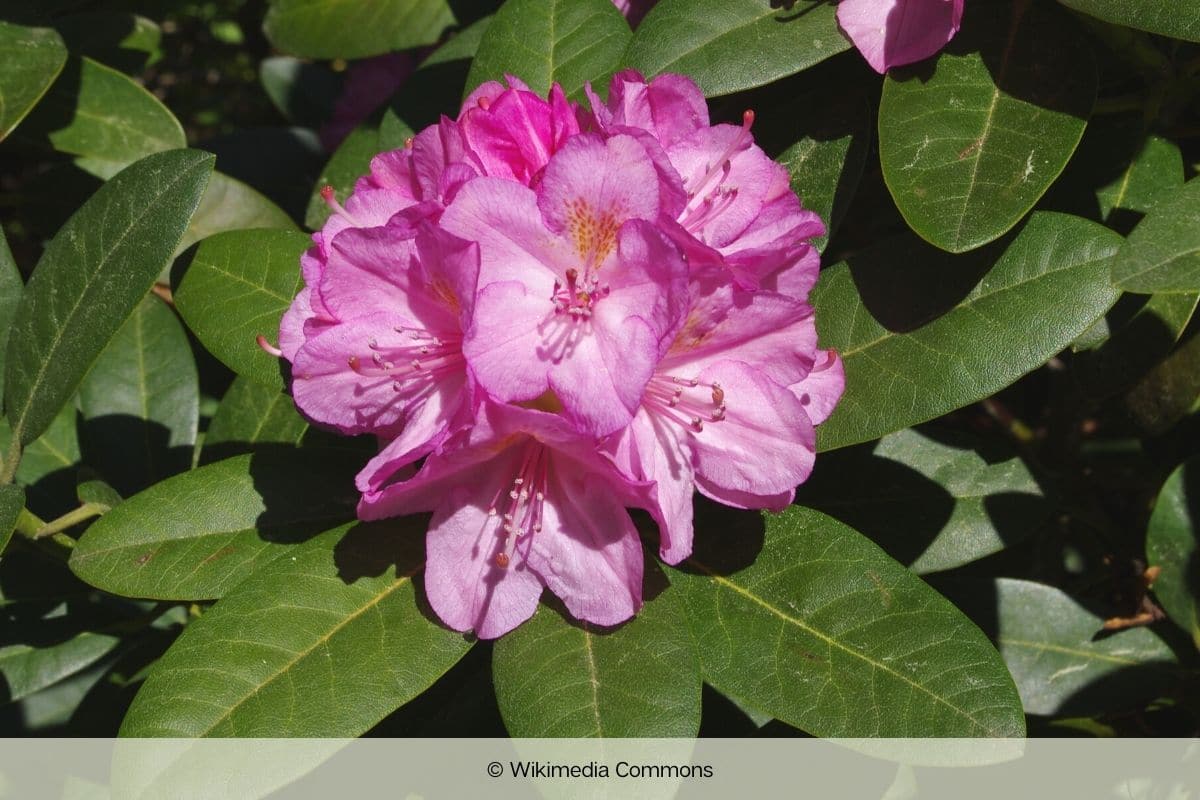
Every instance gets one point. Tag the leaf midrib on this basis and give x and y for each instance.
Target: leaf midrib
(18, 427)
(834, 643)
(307, 651)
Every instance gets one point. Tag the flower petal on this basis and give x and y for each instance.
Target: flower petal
(651, 449)
(588, 551)
(464, 585)
(504, 343)
(765, 444)
(670, 106)
(821, 389)
(591, 187)
(891, 33)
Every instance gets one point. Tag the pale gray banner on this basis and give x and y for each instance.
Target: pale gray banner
(730, 769)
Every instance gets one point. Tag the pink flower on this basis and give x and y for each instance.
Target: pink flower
(730, 409)
(521, 502)
(892, 33)
(565, 314)
(391, 364)
(579, 294)
(738, 208)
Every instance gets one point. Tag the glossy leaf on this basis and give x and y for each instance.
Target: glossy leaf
(570, 42)
(36, 655)
(920, 342)
(98, 493)
(141, 401)
(557, 677)
(1173, 545)
(197, 535)
(932, 500)
(11, 287)
(1163, 252)
(105, 117)
(730, 45)
(90, 278)
(53, 452)
(230, 205)
(858, 645)
(357, 646)
(354, 28)
(826, 164)
(1179, 19)
(348, 163)
(236, 288)
(12, 502)
(33, 58)
(252, 414)
(1062, 664)
(968, 149)
(1155, 169)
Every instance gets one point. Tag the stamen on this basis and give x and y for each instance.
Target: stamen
(523, 513)
(673, 398)
(267, 347)
(336, 207)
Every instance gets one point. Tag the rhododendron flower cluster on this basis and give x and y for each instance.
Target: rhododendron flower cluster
(552, 313)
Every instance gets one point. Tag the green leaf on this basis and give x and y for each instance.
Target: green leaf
(1173, 545)
(252, 414)
(1055, 654)
(47, 467)
(826, 164)
(105, 117)
(230, 205)
(932, 500)
(1179, 19)
(40, 653)
(236, 288)
(542, 42)
(824, 631)
(968, 149)
(350, 161)
(33, 57)
(359, 645)
(141, 401)
(1163, 252)
(920, 342)
(12, 502)
(197, 535)
(90, 278)
(730, 45)
(557, 677)
(11, 287)
(1155, 169)
(97, 493)
(354, 28)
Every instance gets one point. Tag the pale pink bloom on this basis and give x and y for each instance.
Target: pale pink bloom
(738, 208)
(391, 364)
(521, 501)
(579, 293)
(730, 409)
(892, 33)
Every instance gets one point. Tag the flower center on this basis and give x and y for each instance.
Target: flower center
(520, 508)
(578, 296)
(686, 401)
(418, 356)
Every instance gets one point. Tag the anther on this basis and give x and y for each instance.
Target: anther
(267, 347)
(502, 560)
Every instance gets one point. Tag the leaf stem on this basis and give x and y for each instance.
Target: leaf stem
(84, 512)
(55, 545)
